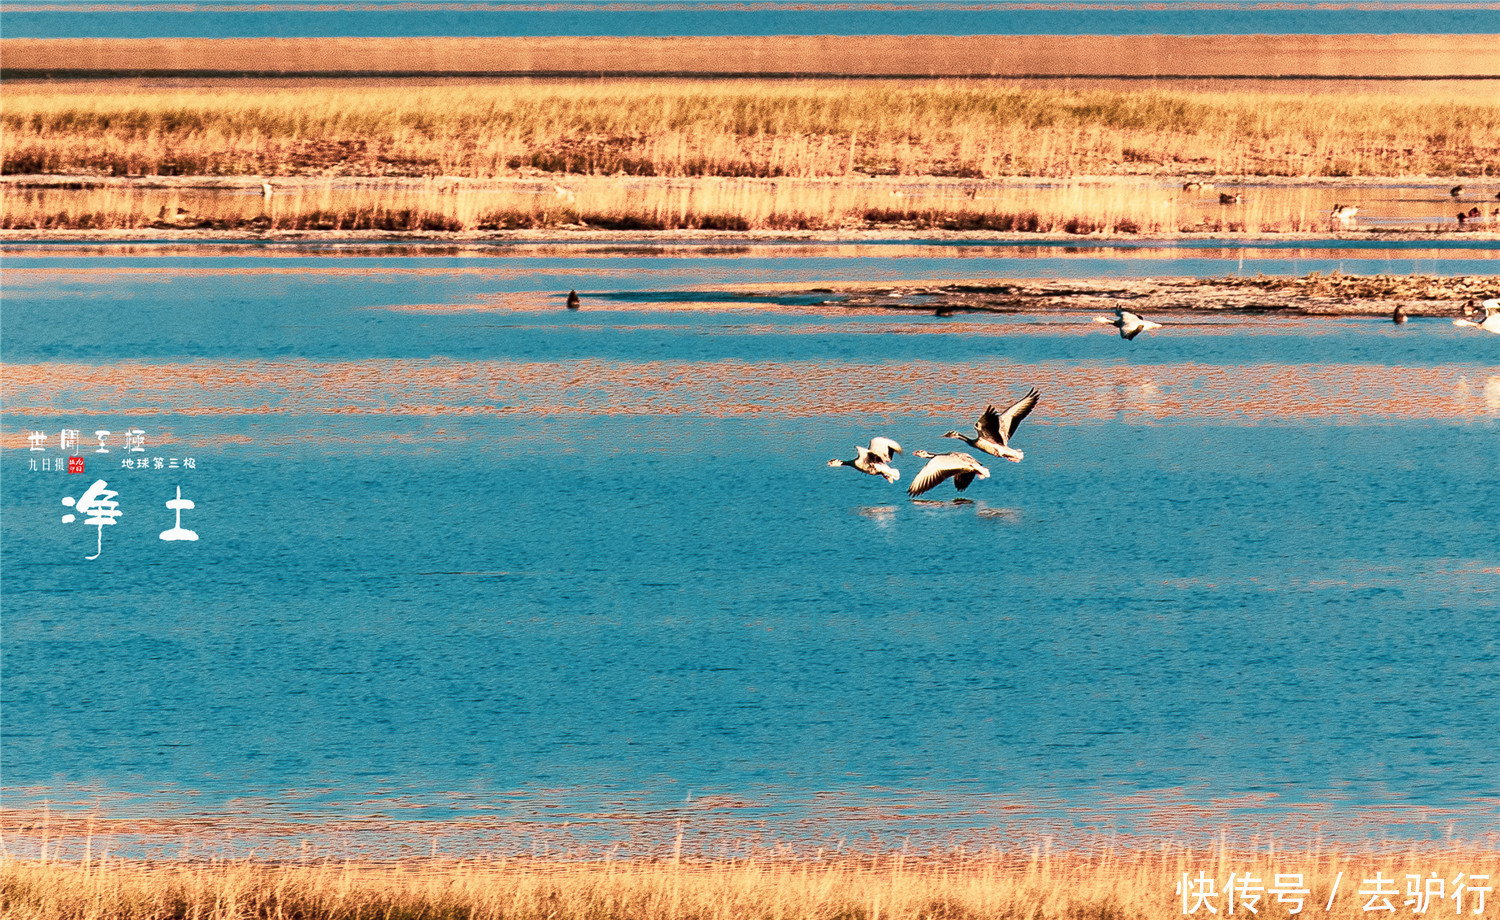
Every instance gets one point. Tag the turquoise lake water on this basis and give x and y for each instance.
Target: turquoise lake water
(478, 572)
(284, 19)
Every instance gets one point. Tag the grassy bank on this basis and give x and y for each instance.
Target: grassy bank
(1119, 205)
(604, 203)
(1141, 886)
(738, 128)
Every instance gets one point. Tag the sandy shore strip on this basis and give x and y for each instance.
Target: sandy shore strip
(1377, 56)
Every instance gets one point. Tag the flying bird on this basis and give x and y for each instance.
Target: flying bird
(958, 466)
(875, 459)
(994, 429)
(1491, 321)
(1129, 324)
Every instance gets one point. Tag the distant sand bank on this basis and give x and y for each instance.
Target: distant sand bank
(1382, 56)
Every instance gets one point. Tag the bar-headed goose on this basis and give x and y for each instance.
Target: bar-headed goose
(1129, 324)
(875, 459)
(958, 466)
(1491, 321)
(994, 429)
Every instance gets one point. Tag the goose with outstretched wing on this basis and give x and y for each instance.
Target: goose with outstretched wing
(875, 459)
(960, 467)
(994, 429)
(1129, 324)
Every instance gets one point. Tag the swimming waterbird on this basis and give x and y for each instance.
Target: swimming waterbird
(572, 300)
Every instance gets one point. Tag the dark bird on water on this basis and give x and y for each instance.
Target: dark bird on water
(1398, 316)
(1456, 190)
(572, 300)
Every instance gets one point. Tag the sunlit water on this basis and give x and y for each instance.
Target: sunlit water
(220, 19)
(495, 578)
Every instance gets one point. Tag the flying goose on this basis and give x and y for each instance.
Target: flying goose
(994, 429)
(958, 466)
(1491, 321)
(1129, 324)
(874, 459)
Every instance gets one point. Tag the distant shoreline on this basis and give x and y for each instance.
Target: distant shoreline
(1113, 56)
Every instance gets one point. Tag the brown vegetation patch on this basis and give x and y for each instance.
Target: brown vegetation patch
(744, 128)
(1110, 883)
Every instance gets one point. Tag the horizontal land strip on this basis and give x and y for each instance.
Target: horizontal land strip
(1159, 56)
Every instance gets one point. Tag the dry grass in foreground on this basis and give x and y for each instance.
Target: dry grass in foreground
(738, 128)
(1139, 886)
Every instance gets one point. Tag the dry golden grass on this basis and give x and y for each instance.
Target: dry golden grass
(608, 203)
(761, 128)
(1136, 885)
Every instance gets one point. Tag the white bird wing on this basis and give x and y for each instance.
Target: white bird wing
(937, 469)
(884, 448)
(1491, 306)
(1011, 419)
(943, 466)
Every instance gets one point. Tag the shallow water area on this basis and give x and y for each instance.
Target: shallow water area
(480, 573)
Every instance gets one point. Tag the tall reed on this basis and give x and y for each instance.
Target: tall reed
(1115, 206)
(1137, 885)
(737, 128)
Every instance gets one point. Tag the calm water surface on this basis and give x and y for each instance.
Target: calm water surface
(476, 570)
(281, 18)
